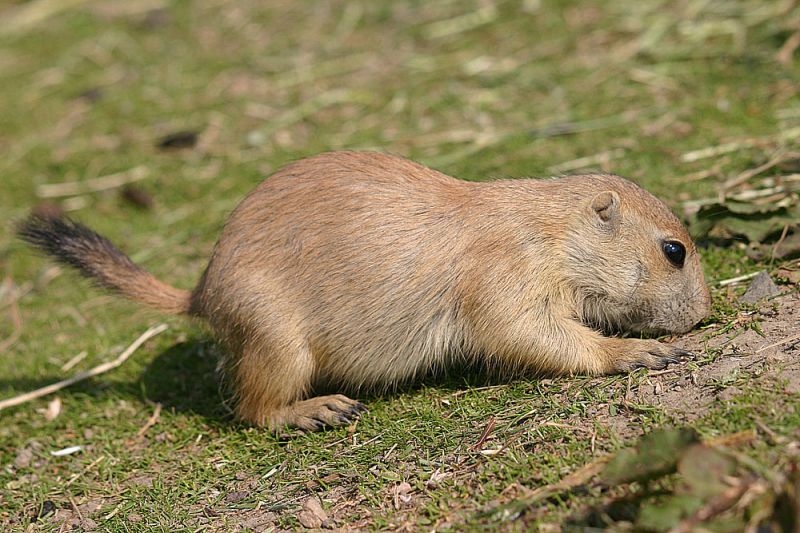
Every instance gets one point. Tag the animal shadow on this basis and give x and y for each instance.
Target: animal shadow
(184, 378)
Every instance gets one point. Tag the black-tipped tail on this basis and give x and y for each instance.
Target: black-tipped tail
(94, 256)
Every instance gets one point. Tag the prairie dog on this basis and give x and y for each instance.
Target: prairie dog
(357, 270)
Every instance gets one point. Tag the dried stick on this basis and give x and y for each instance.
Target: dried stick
(781, 342)
(777, 159)
(737, 279)
(103, 183)
(716, 506)
(99, 369)
(485, 435)
(147, 425)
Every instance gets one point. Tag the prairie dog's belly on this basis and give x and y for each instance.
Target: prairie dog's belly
(378, 312)
(372, 285)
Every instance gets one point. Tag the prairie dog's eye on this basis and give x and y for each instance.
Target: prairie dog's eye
(675, 252)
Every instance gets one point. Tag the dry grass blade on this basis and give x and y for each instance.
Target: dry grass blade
(603, 158)
(103, 183)
(712, 151)
(150, 421)
(781, 342)
(777, 159)
(462, 23)
(32, 13)
(485, 435)
(737, 279)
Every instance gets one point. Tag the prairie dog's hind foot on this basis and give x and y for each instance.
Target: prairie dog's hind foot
(317, 413)
(631, 354)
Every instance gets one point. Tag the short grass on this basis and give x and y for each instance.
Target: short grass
(476, 89)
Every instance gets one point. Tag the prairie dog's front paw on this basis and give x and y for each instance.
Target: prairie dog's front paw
(644, 353)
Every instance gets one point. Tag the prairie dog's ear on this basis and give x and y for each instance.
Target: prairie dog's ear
(606, 206)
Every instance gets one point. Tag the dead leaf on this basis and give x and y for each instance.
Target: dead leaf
(401, 494)
(436, 478)
(312, 515)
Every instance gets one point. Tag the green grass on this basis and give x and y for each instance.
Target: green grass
(269, 82)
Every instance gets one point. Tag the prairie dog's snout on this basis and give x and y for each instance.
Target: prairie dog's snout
(361, 270)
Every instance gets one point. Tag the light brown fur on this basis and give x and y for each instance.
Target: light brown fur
(363, 270)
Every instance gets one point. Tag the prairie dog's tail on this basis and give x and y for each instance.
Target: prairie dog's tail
(97, 258)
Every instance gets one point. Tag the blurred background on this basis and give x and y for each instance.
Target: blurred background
(195, 102)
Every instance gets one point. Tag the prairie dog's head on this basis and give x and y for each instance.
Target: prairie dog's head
(635, 266)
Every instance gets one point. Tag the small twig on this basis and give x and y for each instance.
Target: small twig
(653, 373)
(75, 477)
(579, 477)
(779, 343)
(74, 361)
(779, 157)
(75, 507)
(370, 441)
(474, 389)
(150, 421)
(737, 279)
(759, 196)
(716, 506)
(485, 435)
(777, 245)
(712, 151)
(461, 23)
(113, 513)
(99, 369)
(588, 161)
(103, 183)
(564, 426)
(773, 438)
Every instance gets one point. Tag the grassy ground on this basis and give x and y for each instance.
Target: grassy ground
(476, 89)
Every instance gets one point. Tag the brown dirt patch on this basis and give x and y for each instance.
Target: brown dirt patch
(763, 349)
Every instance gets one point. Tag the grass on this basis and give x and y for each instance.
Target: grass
(477, 89)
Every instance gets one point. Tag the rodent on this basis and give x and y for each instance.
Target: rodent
(357, 270)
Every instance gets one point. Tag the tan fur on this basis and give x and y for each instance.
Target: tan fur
(361, 270)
